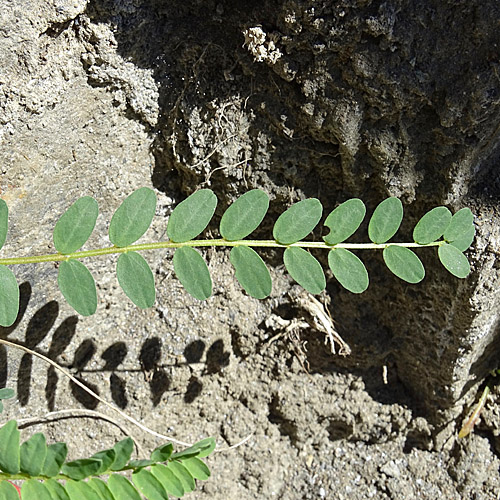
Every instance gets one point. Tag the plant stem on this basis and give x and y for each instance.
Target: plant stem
(55, 257)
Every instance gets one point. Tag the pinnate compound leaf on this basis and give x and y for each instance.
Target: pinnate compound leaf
(169, 481)
(385, 220)
(192, 272)
(187, 480)
(200, 449)
(304, 269)
(75, 226)
(191, 216)
(196, 467)
(348, 270)
(123, 451)
(7, 491)
(298, 221)
(4, 222)
(81, 490)
(9, 297)
(9, 448)
(136, 279)
(344, 221)
(465, 241)
(34, 490)
(56, 490)
(77, 286)
(454, 260)
(99, 486)
(244, 215)
(460, 224)
(33, 453)
(56, 455)
(6, 393)
(251, 272)
(404, 263)
(82, 468)
(162, 453)
(122, 489)
(432, 225)
(148, 485)
(133, 217)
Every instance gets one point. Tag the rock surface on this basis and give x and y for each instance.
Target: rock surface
(303, 99)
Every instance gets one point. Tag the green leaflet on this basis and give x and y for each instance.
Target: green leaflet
(122, 488)
(432, 225)
(304, 269)
(348, 269)
(196, 468)
(8, 492)
(107, 457)
(123, 451)
(191, 216)
(200, 449)
(192, 272)
(244, 215)
(136, 279)
(162, 453)
(6, 393)
(186, 479)
(298, 221)
(138, 464)
(33, 489)
(56, 490)
(33, 453)
(149, 485)
(79, 490)
(385, 220)
(78, 287)
(404, 263)
(4, 222)
(80, 469)
(169, 481)
(133, 217)
(101, 488)
(75, 226)
(251, 272)
(56, 455)
(344, 221)
(465, 241)
(460, 224)
(454, 260)
(9, 297)
(9, 448)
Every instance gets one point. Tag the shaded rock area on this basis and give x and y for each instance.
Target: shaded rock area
(303, 99)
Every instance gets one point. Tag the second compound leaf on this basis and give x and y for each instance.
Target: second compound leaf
(348, 270)
(192, 272)
(244, 215)
(133, 217)
(298, 221)
(432, 225)
(9, 448)
(385, 220)
(404, 263)
(191, 216)
(33, 453)
(454, 260)
(9, 297)
(75, 226)
(304, 269)
(149, 485)
(344, 221)
(251, 272)
(78, 287)
(136, 279)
